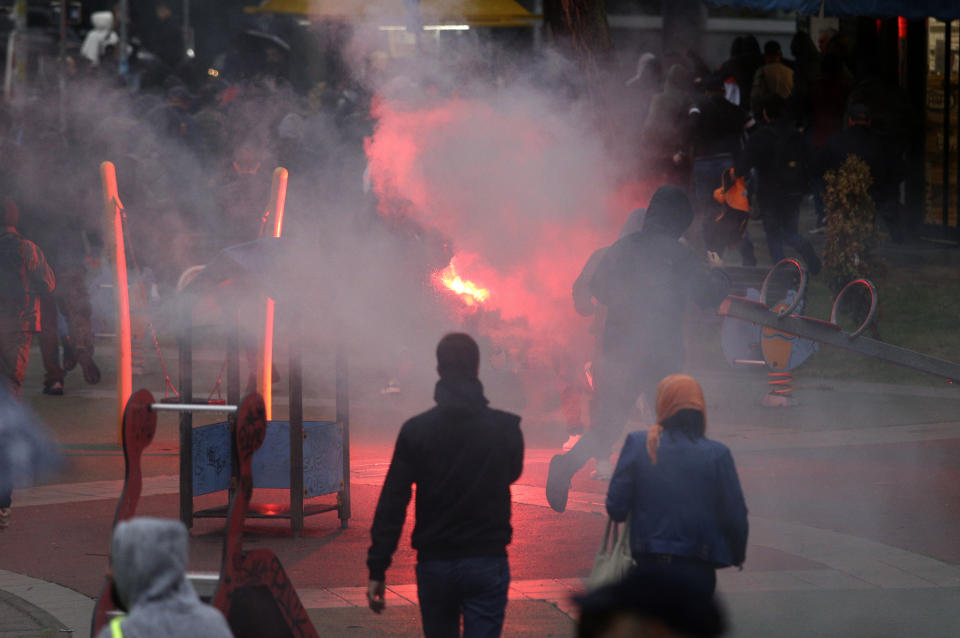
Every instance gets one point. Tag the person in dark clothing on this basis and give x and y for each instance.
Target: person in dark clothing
(745, 58)
(65, 246)
(24, 278)
(886, 163)
(828, 101)
(778, 154)
(586, 305)
(463, 456)
(665, 133)
(718, 128)
(645, 280)
(164, 36)
(651, 600)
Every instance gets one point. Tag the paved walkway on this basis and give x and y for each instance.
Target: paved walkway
(848, 563)
(823, 588)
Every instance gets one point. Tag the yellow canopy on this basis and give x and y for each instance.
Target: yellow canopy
(381, 13)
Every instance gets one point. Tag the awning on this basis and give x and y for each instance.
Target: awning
(383, 13)
(911, 9)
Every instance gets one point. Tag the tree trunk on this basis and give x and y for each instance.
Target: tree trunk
(581, 25)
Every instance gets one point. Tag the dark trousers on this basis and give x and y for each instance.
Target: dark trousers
(781, 224)
(475, 588)
(14, 354)
(72, 299)
(618, 382)
(696, 574)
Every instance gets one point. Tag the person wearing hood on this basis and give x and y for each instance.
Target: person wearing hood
(665, 134)
(645, 280)
(99, 37)
(680, 491)
(463, 456)
(586, 306)
(148, 573)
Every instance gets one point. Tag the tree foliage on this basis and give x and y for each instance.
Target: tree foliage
(851, 233)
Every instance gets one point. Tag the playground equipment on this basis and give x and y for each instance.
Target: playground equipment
(829, 332)
(274, 213)
(113, 212)
(138, 427)
(252, 589)
(309, 458)
(254, 593)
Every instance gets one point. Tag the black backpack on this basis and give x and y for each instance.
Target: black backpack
(791, 163)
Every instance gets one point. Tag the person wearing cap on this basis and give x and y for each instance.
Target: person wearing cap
(718, 129)
(680, 491)
(24, 277)
(644, 280)
(463, 456)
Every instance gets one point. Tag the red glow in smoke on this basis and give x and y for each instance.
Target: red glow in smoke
(523, 196)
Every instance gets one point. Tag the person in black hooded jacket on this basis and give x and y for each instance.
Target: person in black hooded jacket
(645, 280)
(463, 456)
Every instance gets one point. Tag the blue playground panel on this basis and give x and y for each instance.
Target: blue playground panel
(322, 458)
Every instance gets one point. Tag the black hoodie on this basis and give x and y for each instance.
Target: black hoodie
(463, 456)
(645, 280)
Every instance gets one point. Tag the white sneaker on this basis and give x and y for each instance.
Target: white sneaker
(571, 441)
(603, 472)
(392, 387)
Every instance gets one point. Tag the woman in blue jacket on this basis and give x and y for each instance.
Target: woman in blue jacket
(680, 490)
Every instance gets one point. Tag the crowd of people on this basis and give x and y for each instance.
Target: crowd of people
(782, 124)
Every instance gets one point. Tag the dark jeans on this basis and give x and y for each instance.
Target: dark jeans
(781, 223)
(72, 299)
(473, 587)
(696, 574)
(617, 385)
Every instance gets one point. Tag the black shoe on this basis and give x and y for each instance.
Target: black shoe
(558, 483)
(54, 388)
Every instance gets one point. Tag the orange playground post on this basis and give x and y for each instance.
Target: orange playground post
(278, 199)
(121, 292)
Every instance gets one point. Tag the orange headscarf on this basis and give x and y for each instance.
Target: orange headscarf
(676, 392)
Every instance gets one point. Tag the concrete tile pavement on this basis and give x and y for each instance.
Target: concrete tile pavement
(71, 610)
(853, 577)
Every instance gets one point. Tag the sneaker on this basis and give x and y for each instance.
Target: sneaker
(53, 389)
(4, 518)
(392, 387)
(819, 230)
(558, 483)
(570, 442)
(603, 472)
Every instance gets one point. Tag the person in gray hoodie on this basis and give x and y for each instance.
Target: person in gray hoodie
(148, 568)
